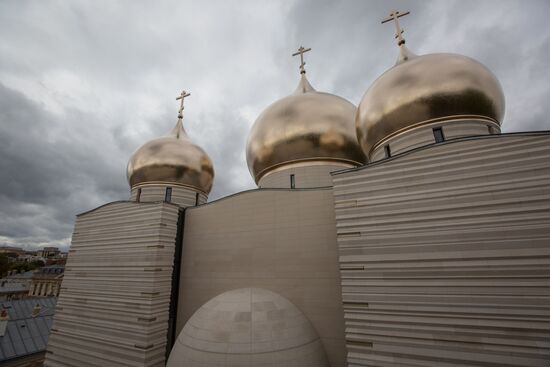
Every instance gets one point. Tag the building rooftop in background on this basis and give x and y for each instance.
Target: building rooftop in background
(50, 270)
(26, 335)
(20, 276)
(11, 249)
(12, 288)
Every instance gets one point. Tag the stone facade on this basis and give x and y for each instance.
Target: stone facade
(444, 254)
(434, 257)
(46, 282)
(278, 239)
(113, 308)
(423, 135)
(304, 175)
(181, 195)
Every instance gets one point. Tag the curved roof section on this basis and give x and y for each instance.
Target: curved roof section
(248, 327)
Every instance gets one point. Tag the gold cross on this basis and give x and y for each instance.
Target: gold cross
(301, 52)
(182, 97)
(395, 15)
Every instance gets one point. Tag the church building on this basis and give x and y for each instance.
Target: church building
(407, 231)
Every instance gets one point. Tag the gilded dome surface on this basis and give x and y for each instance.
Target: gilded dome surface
(423, 89)
(172, 159)
(304, 126)
(248, 327)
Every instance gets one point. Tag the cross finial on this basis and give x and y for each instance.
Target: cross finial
(395, 15)
(301, 52)
(182, 97)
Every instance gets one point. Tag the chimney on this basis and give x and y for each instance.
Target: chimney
(4, 317)
(36, 310)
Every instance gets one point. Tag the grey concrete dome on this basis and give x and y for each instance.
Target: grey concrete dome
(248, 327)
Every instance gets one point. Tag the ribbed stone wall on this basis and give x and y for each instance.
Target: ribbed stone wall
(181, 195)
(445, 255)
(423, 135)
(115, 296)
(309, 175)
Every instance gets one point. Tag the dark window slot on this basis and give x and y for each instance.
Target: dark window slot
(168, 195)
(387, 150)
(438, 134)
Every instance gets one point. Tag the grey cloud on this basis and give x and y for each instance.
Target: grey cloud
(351, 47)
(84, 84)
(45, 181)
(510, 37)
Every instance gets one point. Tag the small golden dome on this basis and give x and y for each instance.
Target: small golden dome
(174, 160)
(425, 89)
(304, 126)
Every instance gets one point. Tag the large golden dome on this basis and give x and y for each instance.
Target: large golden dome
(173, 160)
(426, 89)
(306, 126)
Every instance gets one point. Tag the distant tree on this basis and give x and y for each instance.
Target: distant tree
(35, 264)
(23, 266)
(20, 267)
(4, 265)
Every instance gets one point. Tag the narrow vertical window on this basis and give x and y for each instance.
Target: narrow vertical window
(138, 195)
(196, 199)
(438, 134)
(292, 182)
(168, 194)
(387, 150)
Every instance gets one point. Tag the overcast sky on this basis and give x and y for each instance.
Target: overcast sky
(84, 83)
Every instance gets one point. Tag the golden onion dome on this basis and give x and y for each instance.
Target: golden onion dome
(172, 160)
(425, 89)
(306, 126)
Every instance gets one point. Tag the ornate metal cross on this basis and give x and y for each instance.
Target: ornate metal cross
(182, 97)
(395, 15)
(301, 52)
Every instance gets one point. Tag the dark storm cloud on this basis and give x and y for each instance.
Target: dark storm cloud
(48, 174)
(84, 84)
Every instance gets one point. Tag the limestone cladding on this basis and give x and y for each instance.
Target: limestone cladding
(278, 239)
(248, 327)
(310, 175)
(115, 296)
(445, 255)
(180, 195)
(45, 286)
(424, 135)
